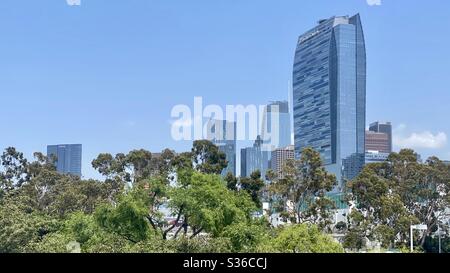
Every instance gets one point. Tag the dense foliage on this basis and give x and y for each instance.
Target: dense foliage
(391, 196)
(163, 203)
(172, 203)
(303, 186)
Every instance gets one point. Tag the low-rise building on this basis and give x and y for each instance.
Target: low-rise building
(376, 157)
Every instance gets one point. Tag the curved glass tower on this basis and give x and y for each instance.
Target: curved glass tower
(329, 85)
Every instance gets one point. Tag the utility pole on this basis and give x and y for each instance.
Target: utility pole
(418, 227)
(439, 234)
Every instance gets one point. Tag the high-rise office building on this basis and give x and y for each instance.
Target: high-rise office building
(378, 142)
(275, 133)
(279, 158)
(223, 134)
(329, 91)
(277, 124)
(254, 158)
(68, 158)
(383, 128)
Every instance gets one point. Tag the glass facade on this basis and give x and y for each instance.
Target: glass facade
(277, 118)
(275, 134)
(254, 158)
(223, 134)
(68, 158)
(329, 85)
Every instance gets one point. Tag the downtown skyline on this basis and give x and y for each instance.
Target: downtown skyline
(110, 93)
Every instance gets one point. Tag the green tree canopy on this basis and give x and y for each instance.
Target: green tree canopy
(302, 238)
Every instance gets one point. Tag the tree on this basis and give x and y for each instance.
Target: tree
(20, 228)
(14, 173)
(303, 238)
(41, 163)
(208, 206)
(162, 165)
(432, 244)
(208, 158)
(203, 204)
(246, 236)
(304, 184)
(81, 232)
(232, 182)
(126, 220)
(113, 168)
(398, 193)
(433, 195)
(200, 244)
(139, 162)
(355, 238)
(52, 212)
(58, 195)
(253, 186)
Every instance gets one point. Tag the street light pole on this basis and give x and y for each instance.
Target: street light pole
(439, 234)
(419, 227)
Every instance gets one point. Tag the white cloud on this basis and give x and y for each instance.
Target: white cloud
(374, 2)
(418, 140)
(73, 2)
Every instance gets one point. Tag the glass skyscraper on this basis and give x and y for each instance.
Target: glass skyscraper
(255, 158)
(223, 134)
(275, 134)
(68, 158)
(277, 117)
(329, 86)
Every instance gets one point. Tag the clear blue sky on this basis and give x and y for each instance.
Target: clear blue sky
(107, 73)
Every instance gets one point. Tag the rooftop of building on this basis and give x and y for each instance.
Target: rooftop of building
(380, 123)
(368, 132)
(287, 148)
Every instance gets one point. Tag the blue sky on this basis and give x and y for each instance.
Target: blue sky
(107, 73)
